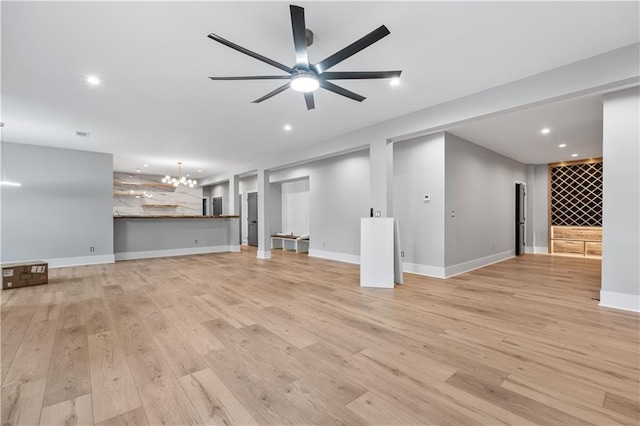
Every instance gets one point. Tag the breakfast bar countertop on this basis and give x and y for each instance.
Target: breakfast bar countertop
(174, 217)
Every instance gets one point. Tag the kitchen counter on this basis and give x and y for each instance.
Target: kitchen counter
(140, 237)
(175, 217)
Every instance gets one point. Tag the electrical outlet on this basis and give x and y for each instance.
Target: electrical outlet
(493, 248)
(427, 197)
(91, 249)
(324, 245)
(378, 213)
(402, 254)
(196, 241)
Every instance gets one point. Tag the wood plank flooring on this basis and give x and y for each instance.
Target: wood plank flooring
(231, 339)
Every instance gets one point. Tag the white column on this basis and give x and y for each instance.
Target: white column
(264, 231)
(621, 200)
(234, 189)
(381, 177)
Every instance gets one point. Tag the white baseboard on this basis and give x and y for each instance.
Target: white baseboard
(170, 252)
(626, 302)
(426, 270)
(234, 248)
(264, 254)
(79, 261)
(461, 268)
(332, 255)
(536, 250)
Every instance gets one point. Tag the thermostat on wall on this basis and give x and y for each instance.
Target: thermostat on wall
(427, 197)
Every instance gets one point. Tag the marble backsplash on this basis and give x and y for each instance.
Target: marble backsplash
(146, 195)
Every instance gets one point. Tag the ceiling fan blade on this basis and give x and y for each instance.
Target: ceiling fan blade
(250, 53)
(299, 37)
(352, 49)
(341, 91)
(357, 75)
(272, 93)
(308, 98)
(255, 77)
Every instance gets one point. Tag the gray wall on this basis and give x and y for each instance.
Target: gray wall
(418, 169)
(220, 190)
(540, 198)
(275, 208)
(621, 200)
(475, 183)
(338, 199)
(480, 188)
(63, 207)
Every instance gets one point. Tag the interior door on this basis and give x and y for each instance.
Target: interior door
(216, 204)
(520, 219)
(252, 219)
(204, 207)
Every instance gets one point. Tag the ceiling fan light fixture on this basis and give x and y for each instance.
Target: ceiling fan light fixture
(305, 82)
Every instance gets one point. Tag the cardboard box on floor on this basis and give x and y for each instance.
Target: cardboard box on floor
(15, 275)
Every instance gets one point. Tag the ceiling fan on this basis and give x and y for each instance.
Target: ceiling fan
(306, 77)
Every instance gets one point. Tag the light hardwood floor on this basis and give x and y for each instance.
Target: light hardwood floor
(230, 339)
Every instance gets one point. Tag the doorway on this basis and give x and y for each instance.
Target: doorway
(520, 218)
(216, 206)
(204, 207)
(252, 219)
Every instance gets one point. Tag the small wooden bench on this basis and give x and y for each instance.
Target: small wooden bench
(290, 242)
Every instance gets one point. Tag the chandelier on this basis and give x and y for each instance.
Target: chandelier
(180, 180)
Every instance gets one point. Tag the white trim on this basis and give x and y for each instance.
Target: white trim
(461, 268)
(264, 254)
(79, 261)
(170, 252)
(234, 248)
(626, 302)
(537, 250)
(332, 255)
(426, 270)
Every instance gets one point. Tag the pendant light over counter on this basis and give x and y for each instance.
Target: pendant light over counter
(180, 180)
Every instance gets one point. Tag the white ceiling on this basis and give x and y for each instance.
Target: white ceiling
(156, 105)
(576, 123)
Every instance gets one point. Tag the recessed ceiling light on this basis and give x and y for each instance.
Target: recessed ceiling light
(574, 155)
(138, 170)
(146, 165)
(562, 145)
(93, 80)
(82, 134)
(545, 131)
(199, 171)
(394, 82)
(287, 127)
